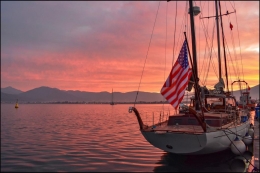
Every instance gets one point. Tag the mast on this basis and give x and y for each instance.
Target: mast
(219, 59)
(224, 50)
(194, 53)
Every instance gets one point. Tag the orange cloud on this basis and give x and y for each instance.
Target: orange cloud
(108, 49)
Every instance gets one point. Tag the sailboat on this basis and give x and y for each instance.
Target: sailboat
(245, 101)
(210, 123)
(112, 99)
(16, 104)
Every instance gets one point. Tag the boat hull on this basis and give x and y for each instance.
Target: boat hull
(195, 144)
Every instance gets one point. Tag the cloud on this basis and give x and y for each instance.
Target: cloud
(94, 45)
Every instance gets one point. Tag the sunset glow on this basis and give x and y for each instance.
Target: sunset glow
(96, 46)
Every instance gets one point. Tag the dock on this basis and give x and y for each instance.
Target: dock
(256, 143)
(255, 158)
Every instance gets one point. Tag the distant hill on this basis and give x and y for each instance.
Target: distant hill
(117, 96)
(11, 90)
(13, 97)
(8, 97)
(47, 94)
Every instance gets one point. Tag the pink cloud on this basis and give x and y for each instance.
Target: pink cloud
(99, 51)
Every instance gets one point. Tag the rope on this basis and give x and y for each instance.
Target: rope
(210, 51)
(166, 38)
(174, 33)
(234, 69)
(232, 5)
(147, 54)
(239, 43)
(210, 58)
(183, 27)
(165, 49)
(232, 38)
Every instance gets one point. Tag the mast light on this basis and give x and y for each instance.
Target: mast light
(196, 10)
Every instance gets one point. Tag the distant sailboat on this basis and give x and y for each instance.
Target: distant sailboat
(16, 105)
(112, 102)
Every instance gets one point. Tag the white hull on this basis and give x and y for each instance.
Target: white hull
(189, 144)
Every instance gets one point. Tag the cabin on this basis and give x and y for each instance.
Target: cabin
(217, 112)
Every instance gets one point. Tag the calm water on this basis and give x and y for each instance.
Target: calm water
(77, 137)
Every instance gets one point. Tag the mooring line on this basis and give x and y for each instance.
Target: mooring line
(255, 168)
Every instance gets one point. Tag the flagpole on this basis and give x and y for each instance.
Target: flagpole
(195, 77)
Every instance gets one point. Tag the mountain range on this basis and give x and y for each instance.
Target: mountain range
(47, 94)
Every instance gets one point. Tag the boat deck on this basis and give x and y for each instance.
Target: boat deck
(189, 124)
(164, 127)
(176, 128)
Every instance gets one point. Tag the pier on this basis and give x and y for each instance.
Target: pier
(255, 147)
(256, 144)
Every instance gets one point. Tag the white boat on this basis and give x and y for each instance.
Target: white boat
(210, 123)
(245, 101)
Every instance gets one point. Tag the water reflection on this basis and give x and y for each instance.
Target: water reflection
(88, 138)
(217, 162)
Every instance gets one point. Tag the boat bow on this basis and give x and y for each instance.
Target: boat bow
(139, 119)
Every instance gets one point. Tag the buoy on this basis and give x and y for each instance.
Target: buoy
(247, 139)
(241, 158)
(16, 105)
(238, 165)
(248, 155)
(238, 147)
(251, 132)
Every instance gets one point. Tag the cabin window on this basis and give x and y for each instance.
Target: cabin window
(214, 101)
(230, 101)
(179, 121)
(208, 122)
(192, 122)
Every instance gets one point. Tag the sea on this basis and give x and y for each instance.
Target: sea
(89, 138)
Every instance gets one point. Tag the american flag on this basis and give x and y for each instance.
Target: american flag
(174, 87)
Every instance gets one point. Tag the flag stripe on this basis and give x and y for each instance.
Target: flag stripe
(181, 81)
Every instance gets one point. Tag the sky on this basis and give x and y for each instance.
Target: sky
(121, 45)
